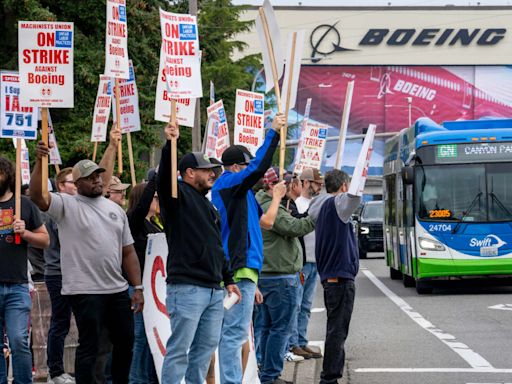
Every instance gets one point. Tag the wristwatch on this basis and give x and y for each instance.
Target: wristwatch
(139, 288)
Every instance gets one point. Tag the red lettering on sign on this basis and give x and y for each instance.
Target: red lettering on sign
(158, 266)
(46, 39)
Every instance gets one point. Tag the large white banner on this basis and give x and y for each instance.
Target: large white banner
(312, 147)
(218, 133)
(45, 59)
(156, 318)
(249, 120)
(102, 109)
(15, 121)
(180, 44)
(185, 108)
(129, 103)
(116, 44)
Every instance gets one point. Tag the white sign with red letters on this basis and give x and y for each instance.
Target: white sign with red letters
(249, 120)
(45, 54)
(116, 44)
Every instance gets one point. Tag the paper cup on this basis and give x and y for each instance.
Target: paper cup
(229, 301)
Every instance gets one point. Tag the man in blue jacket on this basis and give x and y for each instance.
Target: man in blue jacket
(240, 214)
(337, 261)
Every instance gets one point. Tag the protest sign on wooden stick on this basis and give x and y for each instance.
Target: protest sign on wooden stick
(344, 124)
(174, 155)
(363, 163)
(118, 123)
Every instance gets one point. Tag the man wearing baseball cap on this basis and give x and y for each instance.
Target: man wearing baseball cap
(278, 282)
(117, 191)
(196, 266)
(96, 247)
(232, 195)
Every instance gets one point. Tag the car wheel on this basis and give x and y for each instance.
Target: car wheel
(423, 288)
(394, 274)
(408, 281)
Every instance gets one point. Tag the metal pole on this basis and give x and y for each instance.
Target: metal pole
(196, 130)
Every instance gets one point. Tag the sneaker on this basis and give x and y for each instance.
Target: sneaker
(314, 354)
(288, 356)
(281, 381)
(300, 352)
(62, 379)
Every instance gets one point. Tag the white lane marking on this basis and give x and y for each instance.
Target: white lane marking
(470, 356)
(433, 370)
(505, 307)
(317, 310)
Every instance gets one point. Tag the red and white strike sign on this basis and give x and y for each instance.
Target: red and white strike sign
(180, 45)
(45, 56)
(102, 110)
(249, 120)
(116, 44)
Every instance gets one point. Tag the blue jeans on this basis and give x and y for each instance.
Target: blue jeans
(59, 325)
(273, 322)
(15, 306)
(142, 370)
(235, 330)
(196, 321)
(299, 336)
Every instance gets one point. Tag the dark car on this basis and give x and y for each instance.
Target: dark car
(370, 228)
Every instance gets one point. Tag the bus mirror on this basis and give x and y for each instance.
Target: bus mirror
(408, 174)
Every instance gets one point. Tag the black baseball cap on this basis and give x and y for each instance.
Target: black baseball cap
(195, 160)
(236, 154)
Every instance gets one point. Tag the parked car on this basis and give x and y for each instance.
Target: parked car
(369, 228)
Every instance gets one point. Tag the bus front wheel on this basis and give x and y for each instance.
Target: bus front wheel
(394, 274)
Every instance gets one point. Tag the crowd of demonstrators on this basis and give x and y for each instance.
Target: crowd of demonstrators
(338, 263)
(240, 213)
(311, 184)
(61, 308)
(278, 283)
(196, 267)
(96, 247)
(15, 301)
(143, 217)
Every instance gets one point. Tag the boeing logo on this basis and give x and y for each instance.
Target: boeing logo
(487, 241)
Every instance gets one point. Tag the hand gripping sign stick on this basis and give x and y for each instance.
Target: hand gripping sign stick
(118, 122)
(174, 155)
(344, 124)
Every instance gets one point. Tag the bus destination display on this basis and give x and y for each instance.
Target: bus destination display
(473, 152)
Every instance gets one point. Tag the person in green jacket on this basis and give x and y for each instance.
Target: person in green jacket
(278, 283)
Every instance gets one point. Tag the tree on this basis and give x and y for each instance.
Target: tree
(218, 25)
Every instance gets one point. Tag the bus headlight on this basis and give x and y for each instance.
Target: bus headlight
(431, 245)
(364, 230)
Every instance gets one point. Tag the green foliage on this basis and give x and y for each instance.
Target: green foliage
(218, 25)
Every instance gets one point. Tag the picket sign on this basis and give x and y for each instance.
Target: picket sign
(312, 147)
(249, 120)
(45, 61)
(24, 161)
(344, 124)
(156, 317)
(116, 40)
(363, 162)
(303, 130)
(218, 132)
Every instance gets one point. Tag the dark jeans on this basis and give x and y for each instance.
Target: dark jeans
(92, 313)
(59, 325)
(339, 302)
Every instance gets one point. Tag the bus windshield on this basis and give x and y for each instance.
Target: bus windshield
(468, 192)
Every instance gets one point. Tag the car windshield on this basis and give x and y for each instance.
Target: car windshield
(465, 192)
(373, 211)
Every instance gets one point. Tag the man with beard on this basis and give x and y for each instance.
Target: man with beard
(196, 266)
(96, 247)
(15, 302)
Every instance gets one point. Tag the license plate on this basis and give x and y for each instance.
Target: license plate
(489, 251)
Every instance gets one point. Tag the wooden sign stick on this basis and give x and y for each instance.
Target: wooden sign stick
(174, 155)
(118, 122)
(282, 148)
(344, 124)
(130, 156)
(44, 159)
(94, 151)
(57, 168)
(17, 186)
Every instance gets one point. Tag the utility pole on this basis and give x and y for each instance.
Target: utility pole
(196, 131)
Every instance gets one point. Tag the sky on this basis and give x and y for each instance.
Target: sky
(377, 2)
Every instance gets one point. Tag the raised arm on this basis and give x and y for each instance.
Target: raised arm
(346, 205)
(35, 188)
(164, 170)
(287, 225)
(268, 218)
(109, 157)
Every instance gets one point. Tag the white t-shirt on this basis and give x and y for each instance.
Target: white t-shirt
(302, 204)
(92, 234)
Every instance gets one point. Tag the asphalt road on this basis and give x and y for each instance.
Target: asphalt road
(398, 336)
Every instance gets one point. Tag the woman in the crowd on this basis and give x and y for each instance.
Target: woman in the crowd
(143, 216)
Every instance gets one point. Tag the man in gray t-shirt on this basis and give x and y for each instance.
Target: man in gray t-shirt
(96, 248)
